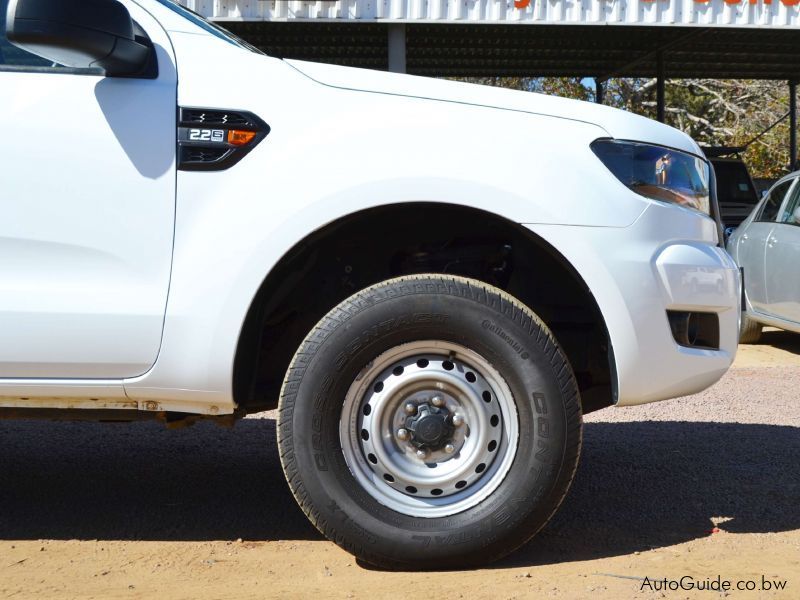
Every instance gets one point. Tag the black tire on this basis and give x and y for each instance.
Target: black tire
(750, 330)
(467, 312)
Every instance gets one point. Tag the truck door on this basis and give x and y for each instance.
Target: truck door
(782, 261)
(88, 204)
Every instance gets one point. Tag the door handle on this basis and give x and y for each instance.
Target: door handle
(771, 241)
(743, 238)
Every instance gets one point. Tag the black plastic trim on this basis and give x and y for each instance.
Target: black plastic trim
(81, 34)
(149, 69)
(743, 298)
(694, 329)
(97, 72)
(215, 119)
(716, 213)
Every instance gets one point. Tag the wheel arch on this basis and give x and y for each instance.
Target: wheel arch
(367, 246)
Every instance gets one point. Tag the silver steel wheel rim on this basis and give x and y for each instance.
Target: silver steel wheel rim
(465, 464)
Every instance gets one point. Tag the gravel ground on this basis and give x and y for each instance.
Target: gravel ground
(134, 510)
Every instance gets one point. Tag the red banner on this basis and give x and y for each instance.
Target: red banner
(527, 3)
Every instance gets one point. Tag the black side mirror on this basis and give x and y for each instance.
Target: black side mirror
(79, 34)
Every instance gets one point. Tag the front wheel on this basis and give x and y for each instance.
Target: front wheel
(429, 422)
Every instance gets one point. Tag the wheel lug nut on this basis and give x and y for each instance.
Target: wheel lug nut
(437, 401)
(449, 448)
(421, 454)
(458, 420)
(410, 408)
(402, 434)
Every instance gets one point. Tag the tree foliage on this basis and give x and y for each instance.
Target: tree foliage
(719, 112)
(714, 112)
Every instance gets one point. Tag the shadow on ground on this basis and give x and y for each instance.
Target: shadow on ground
(140, 481)
(651, 484)
(640, 485)
(784, 340)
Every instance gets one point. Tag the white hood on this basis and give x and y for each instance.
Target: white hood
(618, 123)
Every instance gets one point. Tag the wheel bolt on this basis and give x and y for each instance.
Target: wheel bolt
(458, 420)
(402, 434)
(410, 408)
(421, 454)
(437, 401)
(449, 448)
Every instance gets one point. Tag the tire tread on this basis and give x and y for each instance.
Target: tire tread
(484, 293)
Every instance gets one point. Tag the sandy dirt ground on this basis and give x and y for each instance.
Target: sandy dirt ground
(698, 487)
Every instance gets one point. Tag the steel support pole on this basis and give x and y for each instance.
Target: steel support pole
(397, 47)
(599, 90)
(793, 162)
(660, 87)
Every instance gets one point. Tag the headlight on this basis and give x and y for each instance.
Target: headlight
(658, 173)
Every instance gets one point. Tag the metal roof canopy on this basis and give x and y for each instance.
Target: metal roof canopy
(528, 50)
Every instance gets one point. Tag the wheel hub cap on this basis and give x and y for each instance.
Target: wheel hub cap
(429, 428)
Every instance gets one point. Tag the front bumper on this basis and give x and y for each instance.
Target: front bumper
(667, 260)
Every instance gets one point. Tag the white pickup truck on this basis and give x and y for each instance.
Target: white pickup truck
(432, 281)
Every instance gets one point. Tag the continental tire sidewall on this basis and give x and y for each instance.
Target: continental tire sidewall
(490, 323)
(750, 330)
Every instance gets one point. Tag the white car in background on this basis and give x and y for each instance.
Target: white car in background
(432, 281)
(767, 247)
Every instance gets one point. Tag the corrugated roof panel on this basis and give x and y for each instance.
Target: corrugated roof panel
(714, 13)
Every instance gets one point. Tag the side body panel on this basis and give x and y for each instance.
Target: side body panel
(751, 248)
(332, 152)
